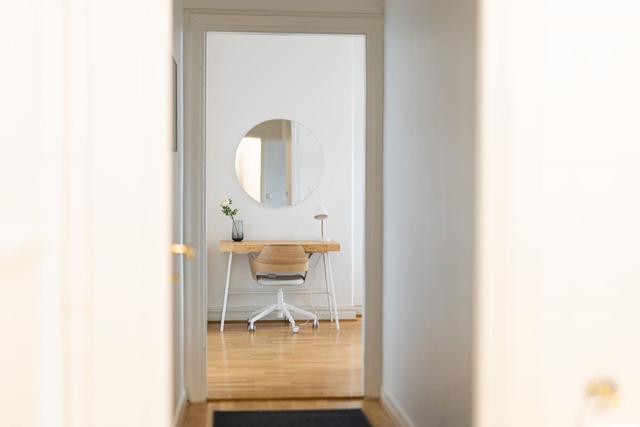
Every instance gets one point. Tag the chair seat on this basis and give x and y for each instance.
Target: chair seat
(280, 280)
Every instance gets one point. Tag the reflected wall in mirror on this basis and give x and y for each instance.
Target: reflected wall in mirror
(279, 163)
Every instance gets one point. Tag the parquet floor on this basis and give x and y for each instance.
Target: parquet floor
(273, 363)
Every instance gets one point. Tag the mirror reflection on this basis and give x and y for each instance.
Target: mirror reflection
(279, 163)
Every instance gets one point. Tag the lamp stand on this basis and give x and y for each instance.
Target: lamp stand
(322, 236)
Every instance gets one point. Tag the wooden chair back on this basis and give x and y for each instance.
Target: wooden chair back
(275, 259)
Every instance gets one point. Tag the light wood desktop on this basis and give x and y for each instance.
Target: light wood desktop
(310, 246)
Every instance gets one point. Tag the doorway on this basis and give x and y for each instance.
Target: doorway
(202, 205)
(284, 137)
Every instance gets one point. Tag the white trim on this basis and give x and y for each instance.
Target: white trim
(194, 215)
(292, 13)
(391, 406)
(242, 312)
(197, 24)
(181, 409)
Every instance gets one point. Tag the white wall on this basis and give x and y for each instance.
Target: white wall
(429, 210)
(560, 229)
(311, 82)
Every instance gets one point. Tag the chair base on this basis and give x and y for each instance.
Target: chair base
(284, 310)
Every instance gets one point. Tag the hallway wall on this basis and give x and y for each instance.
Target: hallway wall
(429, 210)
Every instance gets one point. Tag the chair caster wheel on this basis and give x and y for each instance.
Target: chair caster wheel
(295, 329)
(251, 328)
(316, 324)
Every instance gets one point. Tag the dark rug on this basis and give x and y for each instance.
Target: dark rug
(314, 418)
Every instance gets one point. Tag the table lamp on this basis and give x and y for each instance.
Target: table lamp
(321, 215)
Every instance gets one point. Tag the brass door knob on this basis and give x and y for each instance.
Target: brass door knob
(603, 391)
(182, 249)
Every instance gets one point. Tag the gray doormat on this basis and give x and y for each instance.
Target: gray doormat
(312, 418)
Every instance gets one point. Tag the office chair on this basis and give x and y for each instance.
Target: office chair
(280, 266)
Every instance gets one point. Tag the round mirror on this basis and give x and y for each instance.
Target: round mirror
(279, 163)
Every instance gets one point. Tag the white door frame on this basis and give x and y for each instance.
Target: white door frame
(198, 23)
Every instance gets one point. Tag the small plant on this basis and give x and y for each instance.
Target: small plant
(236, 233)
(226, 208)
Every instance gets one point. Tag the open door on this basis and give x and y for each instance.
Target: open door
(85, 287)
(558, 296)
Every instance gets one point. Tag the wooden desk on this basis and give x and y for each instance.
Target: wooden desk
(310, 246)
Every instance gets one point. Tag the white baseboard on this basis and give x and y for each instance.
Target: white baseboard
(181, 409)
(390, 404)
(243, 312)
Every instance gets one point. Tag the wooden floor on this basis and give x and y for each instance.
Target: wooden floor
(273, 363)
(201, 414)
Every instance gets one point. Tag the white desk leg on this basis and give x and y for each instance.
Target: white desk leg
(326, 281)
(226, 293)
(333, 291)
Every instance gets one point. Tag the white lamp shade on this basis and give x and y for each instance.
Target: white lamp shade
(321, 213)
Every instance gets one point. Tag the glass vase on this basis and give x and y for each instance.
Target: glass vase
(237, 233)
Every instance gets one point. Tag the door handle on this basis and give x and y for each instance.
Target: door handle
(603, 392)
(182, 249)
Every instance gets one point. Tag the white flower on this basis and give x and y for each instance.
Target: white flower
(226, 202)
